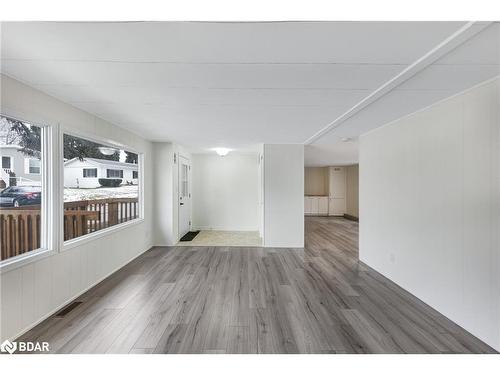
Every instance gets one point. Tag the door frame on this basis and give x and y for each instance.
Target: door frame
(179, 189)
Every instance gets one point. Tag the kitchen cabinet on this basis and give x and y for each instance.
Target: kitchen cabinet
(316, 205)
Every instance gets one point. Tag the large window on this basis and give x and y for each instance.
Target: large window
(21, 208)
(100, 190)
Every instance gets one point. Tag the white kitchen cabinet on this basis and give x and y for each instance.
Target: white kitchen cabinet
(322, 205)
(316, 205)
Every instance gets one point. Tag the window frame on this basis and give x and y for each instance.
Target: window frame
(89, 169)
(120, 174)
(29, 166)
(48, 224)
(75, 242)
(52, 183)
(7, 157)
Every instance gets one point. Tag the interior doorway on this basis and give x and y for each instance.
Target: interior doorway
(184, 196)
(220, 194)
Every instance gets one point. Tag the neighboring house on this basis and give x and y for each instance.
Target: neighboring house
(15, 164)
(86, 173)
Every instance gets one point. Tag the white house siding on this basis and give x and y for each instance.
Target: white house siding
(73, 174)
(19, 165)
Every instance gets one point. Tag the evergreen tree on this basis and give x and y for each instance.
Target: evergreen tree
(131, 157)
(30, 138)
(75, 147)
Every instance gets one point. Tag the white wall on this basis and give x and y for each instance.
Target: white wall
(261, 192)
(163, 190)
(283, 195)
(225, 191)
(32, 292)
(166, 188)
(429, 207)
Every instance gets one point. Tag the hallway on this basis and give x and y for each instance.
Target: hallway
(254, 300)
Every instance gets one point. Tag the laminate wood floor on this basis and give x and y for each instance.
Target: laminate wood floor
(254, 300)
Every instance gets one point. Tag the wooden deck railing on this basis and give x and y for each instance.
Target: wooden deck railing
(20, 227)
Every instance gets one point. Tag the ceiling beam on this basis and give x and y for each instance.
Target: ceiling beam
(454, 40)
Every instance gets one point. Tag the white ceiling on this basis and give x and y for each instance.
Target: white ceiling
(239, 84)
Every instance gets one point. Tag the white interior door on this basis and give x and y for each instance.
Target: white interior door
(184, 196)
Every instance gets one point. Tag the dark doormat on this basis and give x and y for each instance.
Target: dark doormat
(189, 236)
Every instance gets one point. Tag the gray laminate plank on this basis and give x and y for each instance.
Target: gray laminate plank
(320, 299)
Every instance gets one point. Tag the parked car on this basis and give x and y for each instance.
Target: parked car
(16, 196)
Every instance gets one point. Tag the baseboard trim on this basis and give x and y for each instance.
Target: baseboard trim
(224, 229)
(350, 217)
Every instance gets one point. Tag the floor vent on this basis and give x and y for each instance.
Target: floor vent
(68, 309)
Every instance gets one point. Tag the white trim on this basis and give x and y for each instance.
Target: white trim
(78, 294)
(454, 40)
(27, 161)
(79, 241)
(13, 263)
(179, 189)
(224, 229)
(75, 242)
(48, 225)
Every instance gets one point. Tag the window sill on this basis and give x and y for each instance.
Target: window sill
(22, 260)
(70, 244)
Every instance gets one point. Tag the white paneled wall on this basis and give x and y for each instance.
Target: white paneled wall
(284, 195)
(430, 204)
(166, 190)
(32, 292)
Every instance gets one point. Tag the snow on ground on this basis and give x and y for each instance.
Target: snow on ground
(125, 191)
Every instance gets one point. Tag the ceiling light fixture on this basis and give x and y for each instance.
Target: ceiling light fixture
(221, 151)
(346, 139)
